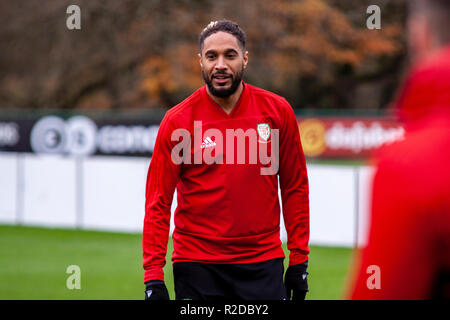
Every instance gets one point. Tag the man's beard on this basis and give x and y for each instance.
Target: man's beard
(223, 92)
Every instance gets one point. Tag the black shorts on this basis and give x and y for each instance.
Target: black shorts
(249, 281)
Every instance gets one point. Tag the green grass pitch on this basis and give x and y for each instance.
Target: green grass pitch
(33, 264)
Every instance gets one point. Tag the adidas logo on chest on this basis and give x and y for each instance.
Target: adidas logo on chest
(207, 142)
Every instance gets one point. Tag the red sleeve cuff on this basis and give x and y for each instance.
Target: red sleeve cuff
(154, 273)
(296, 257)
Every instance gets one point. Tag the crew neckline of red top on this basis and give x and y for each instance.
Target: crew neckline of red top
(241, 101)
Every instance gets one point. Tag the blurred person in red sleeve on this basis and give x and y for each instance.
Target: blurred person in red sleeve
(408, 251)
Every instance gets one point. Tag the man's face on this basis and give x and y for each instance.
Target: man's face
(223, 63)
(419, 39)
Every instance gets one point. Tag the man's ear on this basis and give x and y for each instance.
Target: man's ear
(245, 59)
(200, 59)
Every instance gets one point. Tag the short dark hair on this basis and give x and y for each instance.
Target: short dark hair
(438, 13)
(225, 26)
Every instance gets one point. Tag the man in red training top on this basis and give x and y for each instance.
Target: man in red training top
(408, 251)
(223, 149)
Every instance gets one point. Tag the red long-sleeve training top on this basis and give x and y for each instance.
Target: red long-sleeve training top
(409, 238)
(227, 212)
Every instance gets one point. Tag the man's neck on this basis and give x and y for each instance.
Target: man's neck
(228, 103)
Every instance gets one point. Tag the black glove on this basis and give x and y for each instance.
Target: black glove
(156, 290)
(296, 281)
